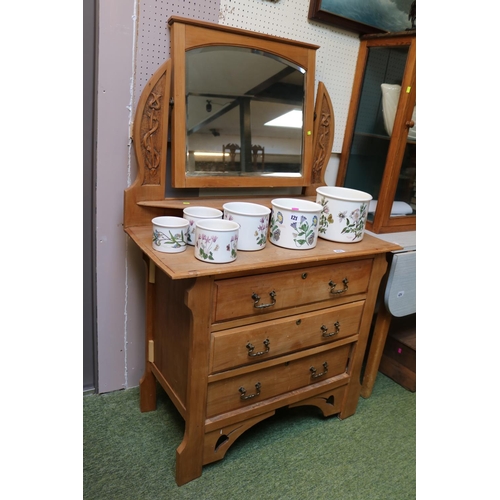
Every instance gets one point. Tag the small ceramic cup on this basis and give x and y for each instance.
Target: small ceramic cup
(344, 214)
(294, 223)
(169, 234)
(195, 214)
(216, 240)
(253, 220)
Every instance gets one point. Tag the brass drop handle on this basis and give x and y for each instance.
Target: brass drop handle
(410, 124)
(256, 299)
(243, 391)
(251, 348)
(325, 333)
(316, 375)
(332, 286)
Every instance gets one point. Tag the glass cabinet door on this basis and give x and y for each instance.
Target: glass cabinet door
(379, 155)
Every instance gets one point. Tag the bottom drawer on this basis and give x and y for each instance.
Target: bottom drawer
(233, 393)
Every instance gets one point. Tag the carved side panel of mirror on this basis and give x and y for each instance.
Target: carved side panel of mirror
(229, 85)
(324, 126)
(150, 132)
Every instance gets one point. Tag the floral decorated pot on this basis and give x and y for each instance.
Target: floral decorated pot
(294, 223)
(169, 234)
(253, 220)
(216, 240)
(195, 214)
(344, 213)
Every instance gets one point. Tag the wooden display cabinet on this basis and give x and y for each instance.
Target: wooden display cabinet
(231, 343)
(373, 159)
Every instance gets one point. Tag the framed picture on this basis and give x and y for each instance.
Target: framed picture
(363, 17)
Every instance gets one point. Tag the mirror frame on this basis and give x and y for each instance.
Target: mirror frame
(187, 34)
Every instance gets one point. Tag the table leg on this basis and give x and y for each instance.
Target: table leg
(147, 384)
(377, 345)
(189, 460)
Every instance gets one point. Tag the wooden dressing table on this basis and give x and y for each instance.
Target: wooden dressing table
(227, 364)
(232, 343)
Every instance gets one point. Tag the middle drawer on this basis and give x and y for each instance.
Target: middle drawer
(268, 339)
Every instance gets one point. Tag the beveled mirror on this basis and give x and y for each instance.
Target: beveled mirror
(242, 107)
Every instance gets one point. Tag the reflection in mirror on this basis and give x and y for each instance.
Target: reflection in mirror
(235, 98)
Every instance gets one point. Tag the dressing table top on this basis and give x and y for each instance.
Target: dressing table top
(185, 265)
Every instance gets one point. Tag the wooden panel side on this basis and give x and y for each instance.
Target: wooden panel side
(190, 452)
(150, 145)
(171, 333)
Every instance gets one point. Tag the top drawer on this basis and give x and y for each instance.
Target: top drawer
(259, 294)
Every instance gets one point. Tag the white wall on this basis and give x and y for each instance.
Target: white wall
(116, 27)
(133, 41)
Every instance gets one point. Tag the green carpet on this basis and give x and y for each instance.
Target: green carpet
(297, 454)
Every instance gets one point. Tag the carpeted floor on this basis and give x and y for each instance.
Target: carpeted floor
(297, 454)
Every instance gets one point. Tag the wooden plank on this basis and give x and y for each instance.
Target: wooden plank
(185, 265)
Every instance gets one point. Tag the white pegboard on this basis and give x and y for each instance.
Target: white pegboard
(153, 35)
(335, 59)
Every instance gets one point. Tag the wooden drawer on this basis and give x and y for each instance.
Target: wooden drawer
(253, 387)
(232, 348)
(263, 293)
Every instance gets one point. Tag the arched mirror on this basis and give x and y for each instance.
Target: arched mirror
(242, 107)
(247, 122)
